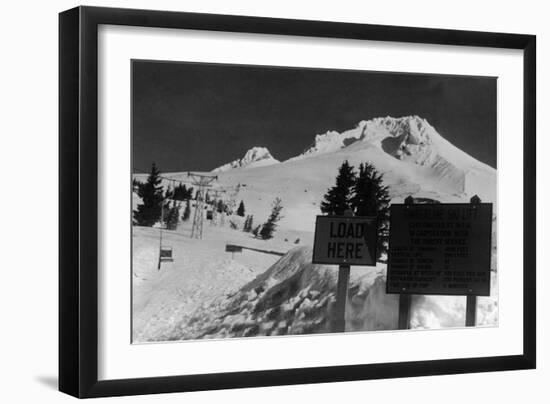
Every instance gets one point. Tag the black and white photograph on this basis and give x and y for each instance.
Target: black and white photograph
(275, 202)
(282, 201)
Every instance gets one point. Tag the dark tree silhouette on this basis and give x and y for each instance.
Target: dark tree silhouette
(268, 228)
(220, 207)
(338, 198)
(186, 211)
(181, 193)
(371, 198)
(247, 227)
(172, 215)
(240, 209)
(256, 231)
(149, 211)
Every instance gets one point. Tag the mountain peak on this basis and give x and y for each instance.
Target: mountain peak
(396, 136)
(254, 157)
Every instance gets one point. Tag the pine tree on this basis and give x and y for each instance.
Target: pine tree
(169, 194)
(269, 227)
(151, 194)
(338, 198)
(180, 192)
(371, 198)
(240, 210)
(256, 231)
(187, 211)
(221, 206)
(247, 227)
(172, 215)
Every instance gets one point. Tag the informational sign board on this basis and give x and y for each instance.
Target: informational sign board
(233, 248)
(440, 249)
(345, 240)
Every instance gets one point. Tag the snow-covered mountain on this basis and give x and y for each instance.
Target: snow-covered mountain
(255, 157)
(412, 156)
(410, 139)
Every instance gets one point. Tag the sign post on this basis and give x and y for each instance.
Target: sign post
(404, 314)
(341, 298)
(440, 249)
(344, 241)
(471, 300)
(471, 309)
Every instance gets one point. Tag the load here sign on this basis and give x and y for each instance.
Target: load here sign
(345, 240)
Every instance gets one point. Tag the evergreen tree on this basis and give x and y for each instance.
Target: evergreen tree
(172, 215)
(180, 192)
(148, 213)
(371, 198)
(269, 227)
(165, 211)
(247, 227)
(169, 194)
(186, 211)
(221, 206)
(338, 198)
(240, 210)
(256, 231)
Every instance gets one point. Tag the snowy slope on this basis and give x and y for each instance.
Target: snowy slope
(255, 157)
(413, 157)
(296, 297)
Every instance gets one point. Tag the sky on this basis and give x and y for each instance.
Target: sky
(198, 116)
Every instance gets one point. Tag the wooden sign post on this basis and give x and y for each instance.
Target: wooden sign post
(471, 310)
(344, 241)
(341, 299)
(471, 300)
(404, 314)
(439, 249)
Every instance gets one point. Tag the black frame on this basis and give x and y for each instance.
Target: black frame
(78, 152)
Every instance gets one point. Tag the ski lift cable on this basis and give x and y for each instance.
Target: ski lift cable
(164, 177)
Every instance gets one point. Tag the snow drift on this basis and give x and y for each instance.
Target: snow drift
(296, 297)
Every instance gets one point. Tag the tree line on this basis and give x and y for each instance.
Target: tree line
(165, 206)
(156, 202)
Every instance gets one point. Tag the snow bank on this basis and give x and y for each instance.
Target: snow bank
(296, 297)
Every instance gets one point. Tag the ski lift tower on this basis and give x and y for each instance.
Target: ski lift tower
(201, 181)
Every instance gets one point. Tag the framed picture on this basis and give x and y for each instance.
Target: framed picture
(251, 202)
